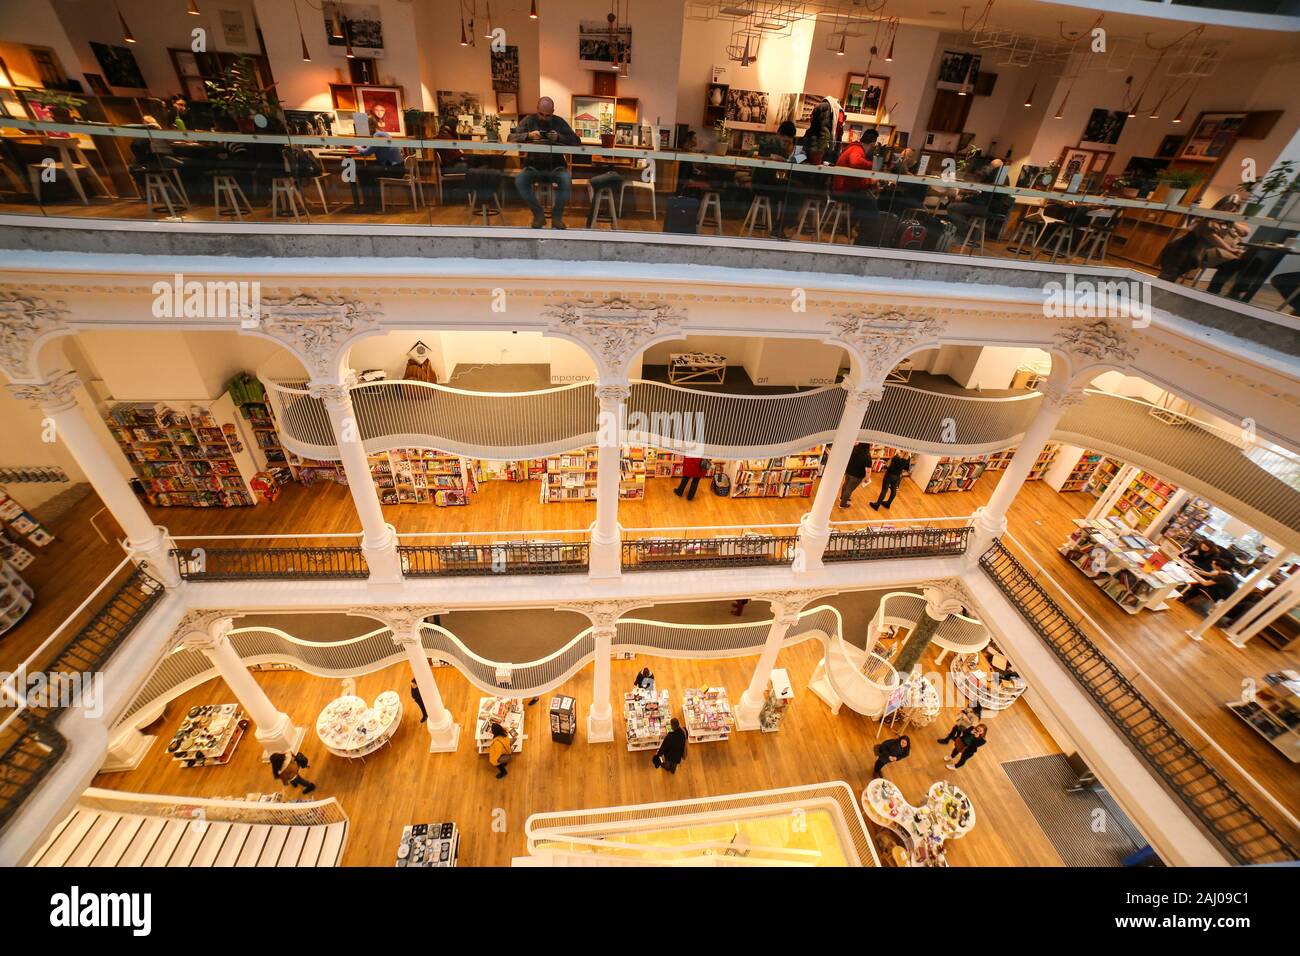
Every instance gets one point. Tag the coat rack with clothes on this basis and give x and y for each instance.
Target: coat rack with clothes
(419, 368)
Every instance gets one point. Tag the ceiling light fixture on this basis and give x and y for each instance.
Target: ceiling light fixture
(336, 28)
(1060, 110)
(306, 56)
(192, 8)
(840, 51)
(1029, 100)
(889, 54)
(488, 35)
(464, 40)
(1183, 109)
(127, 35)
(532, 11)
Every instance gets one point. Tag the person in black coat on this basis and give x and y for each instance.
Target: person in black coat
(419, 701)
(644, 680)
(966, 745)
(856, 472)
(672, 750)
(898, 466)
(891, 751)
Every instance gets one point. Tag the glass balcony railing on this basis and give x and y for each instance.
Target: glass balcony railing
(106, 172)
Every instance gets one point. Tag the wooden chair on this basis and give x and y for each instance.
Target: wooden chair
(440, 176)
(837, 214)
(410, 180)
(810, 214)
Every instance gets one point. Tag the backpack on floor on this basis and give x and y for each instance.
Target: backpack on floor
(682, 215)
(911, 234)
(721, 484)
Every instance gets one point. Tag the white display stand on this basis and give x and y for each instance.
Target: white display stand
(211, 729)
(946, 815)
(1103, 548)
(647, 715)
(707, 714)
(349, 727)
(506, 711)
(16, 597)
(970, 675)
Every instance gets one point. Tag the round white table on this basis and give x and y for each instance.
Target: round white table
(349, 727)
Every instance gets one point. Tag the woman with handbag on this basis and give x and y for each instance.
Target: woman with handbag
(500, 750)
(964, 746)
(672, 750)
(287, 769)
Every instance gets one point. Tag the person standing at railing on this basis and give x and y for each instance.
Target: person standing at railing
(898, 466)
(855, 473)
(545, 127)
(964, 747)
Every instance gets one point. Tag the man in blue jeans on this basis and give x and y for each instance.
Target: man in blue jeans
(544, 127)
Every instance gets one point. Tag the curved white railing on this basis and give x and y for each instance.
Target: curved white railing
(957, 633)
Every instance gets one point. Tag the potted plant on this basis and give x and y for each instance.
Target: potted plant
(1281, 179)
(492, 126)
(1177, 182)
(722, 137)
(58, 103)
(238, 94)
(1125, 185)
(817, 149)
(607, 131)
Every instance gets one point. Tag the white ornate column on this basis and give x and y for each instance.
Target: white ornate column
(606, 560)
(785, 615)
(378, 537)
(147, 543)
(604, 617)
(814, 526)
(405, 624)
(942, 599)
(210, 633)
(990, 521)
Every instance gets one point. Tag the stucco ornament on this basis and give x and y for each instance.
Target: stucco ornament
(882, 339)
(317, 327)
(614, 329)
(57, 393)
(1096, 340)
(24, 321)
(403, 620)
(202, 629)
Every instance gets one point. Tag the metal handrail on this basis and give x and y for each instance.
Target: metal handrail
(870, 544)
(270, 564)
(1234, 823)
(657, 554)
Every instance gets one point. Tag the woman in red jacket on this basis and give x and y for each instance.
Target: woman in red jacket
(693, 470)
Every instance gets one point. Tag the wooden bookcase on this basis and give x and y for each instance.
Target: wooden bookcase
(791, 476)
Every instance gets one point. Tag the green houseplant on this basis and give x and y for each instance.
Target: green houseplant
(1281, 179)
(606, 131)
(722, 133)
(1177, 182)
(238, 94)
(59, 102)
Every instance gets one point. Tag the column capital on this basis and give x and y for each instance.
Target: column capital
(56, 394)
(786, 605)
(863, 394)
(334, 392)
(317, 328)
(614, 329)
(403, 620)
(203, 630)
(1060, 397)
(881, 338)
(613, 392)
(602, 614)
(945, 597)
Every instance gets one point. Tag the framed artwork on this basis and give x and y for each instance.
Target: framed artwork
(865, 94)
(1074, 161)
(1169, 146)
(957, 71)
(590, 114)
(1103, 129)
(785, 108)
(746, 108)
(1100, 161)
(460, 103)
(359, 23)
(508, 102)
(97, 84)
(603, 47)
(624, 134)
(234, 33)
(383, 107)
(807, 103)
(665, 138)
(118, 65)
(1211, 136)
(505, 69)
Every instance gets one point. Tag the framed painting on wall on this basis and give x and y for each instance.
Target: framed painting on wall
(383, 106)
(508, 102)
(1168, 148)
(807, 103)
(785, 108)
(957, 71)
(1103, 129)
(603, 47)
(865, 95)
(118, 65)
(460, 103)
(746, 109)
(1074, 162)
(1211, 136)
(97, 84)
(591, 114)
(359, 24)
(505, 69)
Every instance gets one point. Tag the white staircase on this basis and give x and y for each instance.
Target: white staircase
(109, 829)
(849, 675)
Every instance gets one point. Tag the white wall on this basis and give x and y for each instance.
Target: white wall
(469, 68)
(35, 22)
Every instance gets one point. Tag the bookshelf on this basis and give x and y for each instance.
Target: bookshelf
(1191, 518)
(16, 596)
(570, 477)
(1143, 499)
(1275, 712)
(632, 473)
(189, 459)
(309, 470)
(791, 476)
(938, 474)
(1072, 468)
(419, 476)
(647, 715)
(880, 455)
(707, 714)
(998, 460)
(1102, 475)
(1042, 464)
(526, 469)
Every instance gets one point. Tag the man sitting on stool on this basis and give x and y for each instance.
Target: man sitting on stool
(545, 127)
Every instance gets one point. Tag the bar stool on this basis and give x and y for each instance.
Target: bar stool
(976, 226)
(761, 206)
(835, 215)
(226, 187)
(604, 198)
(160, 189)
(810, 210)
(545, 193)
(1095, 240)
(710, 212)
(1060, 242)
(481, 189)
(284, 190)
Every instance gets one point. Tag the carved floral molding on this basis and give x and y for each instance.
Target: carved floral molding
(882, 338)
(615, 329)
(24, 320)
(317, 328)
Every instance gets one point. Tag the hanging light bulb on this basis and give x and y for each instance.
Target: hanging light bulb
(192, 8)
(347, 52)
(1029, 100)
(1183, 109)
(488, 35)
(889, 54)
(840, 51)
(127, 35)
(336, 28)
(1060, 110)
(532, 11)
(306, 54)
(744, 59)
(1133, 110)
(464, 40)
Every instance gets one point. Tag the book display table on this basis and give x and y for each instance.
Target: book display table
(429, 844)
(979, 677)
(697, 367)
(646, 714)
(208, 735)
(707, 714)
(349, 727)
(1128, 567)
(506, 711)
(946, 815)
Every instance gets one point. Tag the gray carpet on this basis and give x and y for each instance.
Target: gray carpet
(1071, 820)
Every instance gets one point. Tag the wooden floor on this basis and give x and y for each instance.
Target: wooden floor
(1199, 677)
(405, 784)
(456, 213)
